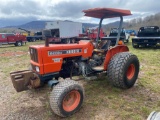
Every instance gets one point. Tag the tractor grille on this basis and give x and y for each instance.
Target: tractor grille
(33, 54)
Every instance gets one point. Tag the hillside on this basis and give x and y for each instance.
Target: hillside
(33, 26)
(132, 24)
(108, 27)
(152, 20)
(135, 24)
(36, 26)
(40, 25)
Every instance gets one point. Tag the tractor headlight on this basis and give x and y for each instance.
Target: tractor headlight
(37, 69)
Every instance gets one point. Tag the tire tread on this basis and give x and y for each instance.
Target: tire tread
(59, 89)
(116, 68)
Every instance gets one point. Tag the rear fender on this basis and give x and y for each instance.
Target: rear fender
(111, 52)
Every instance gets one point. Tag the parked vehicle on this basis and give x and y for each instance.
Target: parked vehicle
(131, 32)
(10, 38)
(87, 58)
(147, 36)
(124, 36)
(91, 33)
(63, 31)
(32, 36)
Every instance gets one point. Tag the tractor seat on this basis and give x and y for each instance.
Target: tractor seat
(98, 68)
(103, 46)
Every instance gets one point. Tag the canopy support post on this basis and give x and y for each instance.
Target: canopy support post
(99, 28)
(119, 30)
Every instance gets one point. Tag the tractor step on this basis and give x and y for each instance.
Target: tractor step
(52, 83)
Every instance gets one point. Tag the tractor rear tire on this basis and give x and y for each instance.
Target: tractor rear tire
(66, 98)
(123, 70)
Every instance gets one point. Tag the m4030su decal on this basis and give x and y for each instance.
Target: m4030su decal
(50, 53)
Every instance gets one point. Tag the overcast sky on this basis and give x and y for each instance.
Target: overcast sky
(16, 12)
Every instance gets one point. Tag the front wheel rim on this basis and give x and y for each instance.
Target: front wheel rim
(130, 71)
(71, 101)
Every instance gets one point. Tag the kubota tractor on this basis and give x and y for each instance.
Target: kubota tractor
(51, 61)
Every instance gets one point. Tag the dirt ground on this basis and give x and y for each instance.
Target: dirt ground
(9, 54)
(34, 105)
(102, 101)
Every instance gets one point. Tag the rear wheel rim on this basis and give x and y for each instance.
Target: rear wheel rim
(130, 71)
(71, 101)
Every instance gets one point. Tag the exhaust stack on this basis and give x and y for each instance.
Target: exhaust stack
(47, 35)
(46, 42)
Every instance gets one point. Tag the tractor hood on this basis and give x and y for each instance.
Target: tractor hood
(50, 58)
(81, 44)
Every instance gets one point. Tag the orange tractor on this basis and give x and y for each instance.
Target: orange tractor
(86, 58)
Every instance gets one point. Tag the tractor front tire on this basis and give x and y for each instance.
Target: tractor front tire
(66, 98)
(123, 70)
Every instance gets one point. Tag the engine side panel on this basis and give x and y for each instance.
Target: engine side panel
(53, 56)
